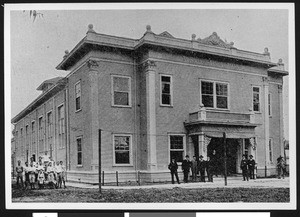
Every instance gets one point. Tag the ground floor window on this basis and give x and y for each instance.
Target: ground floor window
(79, 150)
(177, 145)
(122, 149)
(270, 150)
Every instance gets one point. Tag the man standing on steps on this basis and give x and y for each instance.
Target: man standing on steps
(173, 169)
(194, 168)
(201, 166)
(186, 165)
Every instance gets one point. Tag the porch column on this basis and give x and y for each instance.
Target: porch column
(150, 70)
(202, 148)
(94, 102)
(266, 118)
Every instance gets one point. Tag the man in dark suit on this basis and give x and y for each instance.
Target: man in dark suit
(209, 168)
(186, 165)
(244, 168)
(251, 166)
(201, 166)
(173, 168)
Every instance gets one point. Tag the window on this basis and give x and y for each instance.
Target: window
(79, 151)
(270, 105)
(78, 96)
(122, 148)
(166, 90)
(256, 99)
(49, 128)
(33, 136)
(214, 94)
(121, 91)
(61, 126)
(270, 150)
(177, 145)
(41, 136)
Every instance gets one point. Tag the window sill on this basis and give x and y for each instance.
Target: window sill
(170, 106)
(121, 106)
(217, 109)
(79, 166)
(122, 165)
(78, 110)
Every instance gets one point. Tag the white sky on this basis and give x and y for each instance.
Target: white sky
(38, 47)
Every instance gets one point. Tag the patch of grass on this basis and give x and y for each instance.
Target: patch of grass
(154, 195)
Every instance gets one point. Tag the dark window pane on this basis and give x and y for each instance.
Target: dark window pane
(178, 155)
(208, 101)
(79, 158)
(207, 87)
(176, 142)
(256, 89)
(166, 99)
(121, 98)
(256, 107)
(166, 78)
(221, 102)
(165, 88)
(79, 145)
(77, 103)
(122, 157)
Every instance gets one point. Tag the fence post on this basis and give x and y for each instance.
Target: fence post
(117, 178)
(139, 180)
(103, 178)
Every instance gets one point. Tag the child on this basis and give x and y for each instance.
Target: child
(51, 176)
(19, 170)
(41, 176)
(32, 170)
(63, 171)
(26, 170)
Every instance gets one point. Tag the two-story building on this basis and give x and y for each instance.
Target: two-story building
(155, 98)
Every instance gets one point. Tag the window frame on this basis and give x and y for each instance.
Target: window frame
(40, 132)
(215, 93)
(169, 145)
(75, 94)
(130, 150)
(259, 108)
(79, 165)
(160, 90)
(113, 95)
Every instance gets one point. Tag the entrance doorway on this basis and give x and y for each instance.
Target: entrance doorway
(231, 152)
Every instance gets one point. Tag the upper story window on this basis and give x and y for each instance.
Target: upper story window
(78, 96)
(122, 149)
(61, 126)
(166, 90)
(214, 94)
(49, 124)
(121, 91)
(270, 104)
(33, 132)
(256, 99)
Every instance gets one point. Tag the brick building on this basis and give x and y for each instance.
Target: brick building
(155, 98)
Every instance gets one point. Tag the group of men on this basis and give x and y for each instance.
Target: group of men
(40, 173)
(199, 166)
(210, 166)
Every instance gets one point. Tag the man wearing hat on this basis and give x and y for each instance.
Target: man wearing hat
(194, 166)
(244, 168)
(186, 165)
(201, 166)
(173, 169)
(251, 166)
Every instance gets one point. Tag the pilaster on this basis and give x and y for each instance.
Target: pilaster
(150, 70)
(202, 148)
(266, 118)
(280, 120)
(94, 104)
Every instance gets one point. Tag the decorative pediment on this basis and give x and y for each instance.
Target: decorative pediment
(215, 40)
(166, 34)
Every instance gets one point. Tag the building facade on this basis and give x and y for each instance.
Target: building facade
(155, 98)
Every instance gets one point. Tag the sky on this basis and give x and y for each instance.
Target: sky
(37, 47)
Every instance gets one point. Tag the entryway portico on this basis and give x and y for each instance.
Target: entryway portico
(206, 128)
